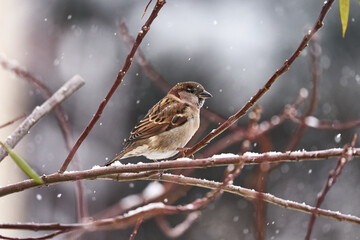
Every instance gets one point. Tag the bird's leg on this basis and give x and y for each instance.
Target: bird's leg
(182, 152)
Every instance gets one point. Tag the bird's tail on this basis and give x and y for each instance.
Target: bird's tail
(118, 157)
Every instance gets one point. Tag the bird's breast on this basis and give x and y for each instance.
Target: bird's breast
(168, 142)
(188, 130)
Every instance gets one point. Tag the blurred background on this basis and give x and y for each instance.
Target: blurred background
(230, 47)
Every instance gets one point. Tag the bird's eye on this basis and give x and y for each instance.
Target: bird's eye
(190, 90)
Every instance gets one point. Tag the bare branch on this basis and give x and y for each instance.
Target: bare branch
(118, 81)
(263, 128)
(313, 122)
(179, 229)
(47, 236)
(12, 121)
(345, 157)
(40, 111)
(232, 119)
(221, 160)
(315, 77)
(41, 226)
(137, 225)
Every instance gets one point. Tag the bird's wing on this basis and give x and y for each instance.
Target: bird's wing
(167, 114)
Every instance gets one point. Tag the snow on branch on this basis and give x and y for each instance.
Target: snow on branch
(128, 172)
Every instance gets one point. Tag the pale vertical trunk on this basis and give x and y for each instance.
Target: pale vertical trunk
(12, 104)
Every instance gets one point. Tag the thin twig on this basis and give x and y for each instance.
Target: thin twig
(333, 175)
(12, 121)
(260, 207)
(118, 81)
(40, 111)
(47, 236)
(314, 122)
(262, 129)
(146, 8)
(136, 228)
(178, 230)
(41, 226)
(119, 222)
(171, 192)
(315, 77)
(232, 119)
(265, 168)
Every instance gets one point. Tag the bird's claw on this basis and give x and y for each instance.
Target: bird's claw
(183, 150)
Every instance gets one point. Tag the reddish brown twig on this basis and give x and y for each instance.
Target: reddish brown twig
(12, 121)
(232, 119)
(118, 81)
(203, 202)
(263, 127)
(178, 230)
(140, 58)
(333, 174)
(265, 168)
(40, 226)
(136, 228)
(315, 77)
(47, 236)
(313, 122)
(146, 8)
(259, 220)
(120, 222)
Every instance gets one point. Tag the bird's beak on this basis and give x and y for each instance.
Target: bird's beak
(205, 94)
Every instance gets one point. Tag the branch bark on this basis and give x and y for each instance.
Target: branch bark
(146, 169)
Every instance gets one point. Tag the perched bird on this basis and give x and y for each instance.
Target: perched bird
(169, 124)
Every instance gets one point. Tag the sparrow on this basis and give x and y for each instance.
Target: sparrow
(169, 124)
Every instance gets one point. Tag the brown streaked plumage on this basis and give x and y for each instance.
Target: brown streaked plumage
(169, 124)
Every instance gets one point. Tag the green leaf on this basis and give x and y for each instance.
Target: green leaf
(344, 14)
(23, 164)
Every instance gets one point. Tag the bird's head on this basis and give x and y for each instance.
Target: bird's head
(192, 93)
